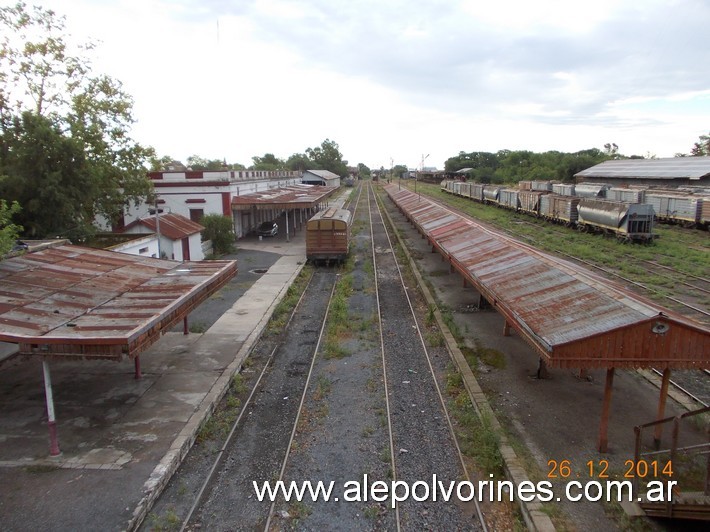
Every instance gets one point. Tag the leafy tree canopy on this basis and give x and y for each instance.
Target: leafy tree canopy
(65, 150)
(363, 171)
(268, 162)
(219, 230)
(702, 147)
(8, 230)
(195, 162)
(327, 156)
(506, 166)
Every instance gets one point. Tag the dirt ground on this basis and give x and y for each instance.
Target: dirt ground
(556, 418)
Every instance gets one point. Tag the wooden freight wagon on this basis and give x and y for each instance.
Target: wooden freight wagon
(328, 235)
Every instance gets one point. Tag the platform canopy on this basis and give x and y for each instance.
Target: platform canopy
(289, 197)
(571, 316)
(75, 302)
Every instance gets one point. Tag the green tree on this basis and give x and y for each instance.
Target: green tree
(399, 171)
(268, 162)
(48, 91)
(8, 230)
(327, 156)
(298, 162)
(197, 163)
(219, 230)
(363, 171)
(702, 147)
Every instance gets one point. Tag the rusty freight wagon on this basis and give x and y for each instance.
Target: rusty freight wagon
(328, 235)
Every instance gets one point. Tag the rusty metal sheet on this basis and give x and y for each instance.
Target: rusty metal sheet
(556, 305)
(173, 226)
(80, 302)
(292, 196)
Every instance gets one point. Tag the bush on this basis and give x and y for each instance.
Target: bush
(219, 230)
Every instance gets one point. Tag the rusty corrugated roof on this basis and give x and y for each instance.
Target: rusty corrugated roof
(562, 309)
(79, 302)
(292, 196)
(173, 226)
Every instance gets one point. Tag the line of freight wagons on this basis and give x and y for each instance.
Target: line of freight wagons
(628, 213)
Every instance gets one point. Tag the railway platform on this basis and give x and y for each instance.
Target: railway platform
(121, 438)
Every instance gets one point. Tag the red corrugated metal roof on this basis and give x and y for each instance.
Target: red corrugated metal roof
(80, 302)
(572, 316)
(293, 196)
(173, 226)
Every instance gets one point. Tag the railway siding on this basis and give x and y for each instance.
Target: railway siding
(533, 512)
(343, 434)
(423, 441)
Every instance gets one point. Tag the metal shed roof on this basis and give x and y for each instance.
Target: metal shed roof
(173, 226)
(290, 197)
(571, 316)
(693, 168)
(74, 302)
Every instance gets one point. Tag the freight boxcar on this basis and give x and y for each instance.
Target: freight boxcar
(705, 212)
(530, 201)
(491, 194)
(544, 186)
(628, 221)
(563, 189)
(590, 190)
(328, 236)
(560, 209)
(477, 192)
(630, 195)
(508, 198)
(686, 210)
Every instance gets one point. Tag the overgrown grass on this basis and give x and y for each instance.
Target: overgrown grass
(477, 437)
(220, 422)
(168, 521)
(197, 327)
(283, 310)
(685, 250)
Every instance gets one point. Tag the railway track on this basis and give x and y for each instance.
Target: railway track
(693, 383)
(261, 434)
(423, 439)
(365, 406)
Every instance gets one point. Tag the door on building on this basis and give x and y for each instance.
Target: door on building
(186, 248)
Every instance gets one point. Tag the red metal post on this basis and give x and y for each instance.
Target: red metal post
(51, 420)
(506, 328)
(658, 432)
(185, 329)
(604, 426)
(137, 364)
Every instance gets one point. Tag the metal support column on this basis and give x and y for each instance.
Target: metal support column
(137, 366)
(185, 328)
(51, 419)
(658, 431)
(606, 405)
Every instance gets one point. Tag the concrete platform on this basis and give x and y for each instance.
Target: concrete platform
(121, 438)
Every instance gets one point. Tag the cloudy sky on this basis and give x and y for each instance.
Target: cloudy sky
(400, 80)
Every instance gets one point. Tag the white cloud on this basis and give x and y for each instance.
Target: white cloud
(400, 78)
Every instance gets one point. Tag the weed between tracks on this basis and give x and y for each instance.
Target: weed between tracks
(285, 307)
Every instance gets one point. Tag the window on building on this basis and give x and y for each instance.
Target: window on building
(196, 215)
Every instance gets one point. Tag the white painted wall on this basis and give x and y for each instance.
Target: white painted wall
(143, 247)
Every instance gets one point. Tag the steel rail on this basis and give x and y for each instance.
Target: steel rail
(479, 513)
(382, 352)
(222, 451)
